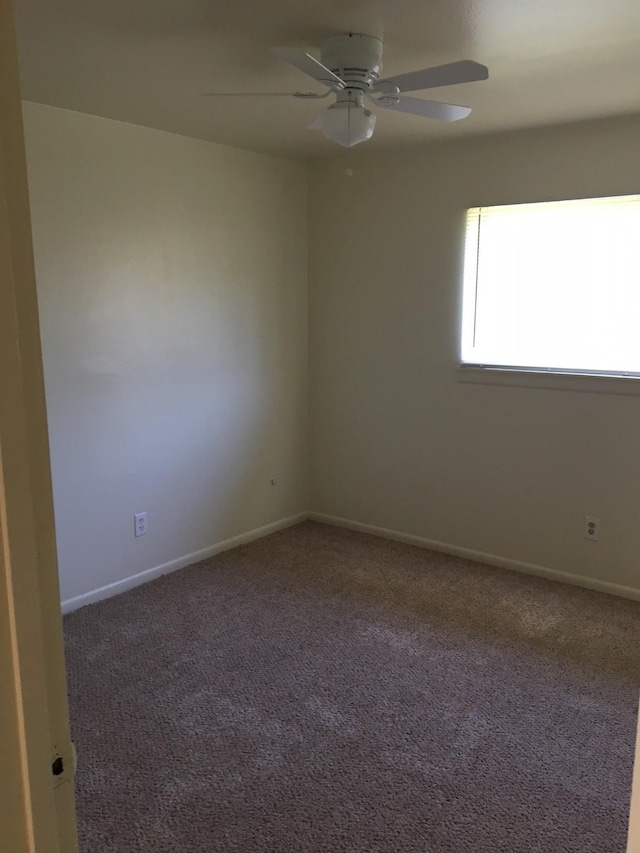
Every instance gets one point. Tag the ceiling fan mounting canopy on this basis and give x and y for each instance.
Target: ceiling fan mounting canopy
(354, 58)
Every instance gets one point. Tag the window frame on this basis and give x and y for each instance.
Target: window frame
(550, 378)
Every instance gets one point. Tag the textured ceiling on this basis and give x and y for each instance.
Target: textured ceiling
(148, 61)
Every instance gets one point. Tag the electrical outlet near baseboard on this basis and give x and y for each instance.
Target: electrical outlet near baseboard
(140, 523)
(591, 527)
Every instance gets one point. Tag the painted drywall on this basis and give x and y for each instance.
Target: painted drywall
(398, 439)
(172, 290)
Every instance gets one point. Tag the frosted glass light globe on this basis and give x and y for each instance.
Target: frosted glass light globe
(348, 124)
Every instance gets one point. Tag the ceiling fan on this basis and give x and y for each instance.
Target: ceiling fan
(349, 68)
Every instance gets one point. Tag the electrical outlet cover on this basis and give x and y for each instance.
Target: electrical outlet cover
(140, 524)
(591, 528)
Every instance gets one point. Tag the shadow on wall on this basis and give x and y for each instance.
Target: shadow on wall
(172, 290)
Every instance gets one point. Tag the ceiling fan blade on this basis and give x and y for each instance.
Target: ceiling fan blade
(305, 62)
(252, 95)
(426, 109)
(464, 71)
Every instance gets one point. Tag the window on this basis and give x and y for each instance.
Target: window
(554, 286)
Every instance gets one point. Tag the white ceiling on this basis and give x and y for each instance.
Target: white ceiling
(148, 61)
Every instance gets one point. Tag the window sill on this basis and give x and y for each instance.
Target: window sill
(551, 380)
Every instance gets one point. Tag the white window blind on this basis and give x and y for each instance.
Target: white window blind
(554, 286)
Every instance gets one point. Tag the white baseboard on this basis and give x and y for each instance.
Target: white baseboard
(481, 556)
(117, 587)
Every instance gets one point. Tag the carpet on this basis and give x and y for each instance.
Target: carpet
(325, 690)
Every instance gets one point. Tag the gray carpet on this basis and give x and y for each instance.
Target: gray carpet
(323, 690)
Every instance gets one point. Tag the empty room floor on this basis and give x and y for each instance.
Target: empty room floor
(325, 690)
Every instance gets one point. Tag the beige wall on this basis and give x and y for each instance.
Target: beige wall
(398, 440)
(171, 277)
(172, 289)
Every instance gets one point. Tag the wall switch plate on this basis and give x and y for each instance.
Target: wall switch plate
(140, 523)
(591, 527)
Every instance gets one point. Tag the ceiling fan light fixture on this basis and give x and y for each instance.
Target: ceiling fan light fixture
(349, 69)
(348, 124)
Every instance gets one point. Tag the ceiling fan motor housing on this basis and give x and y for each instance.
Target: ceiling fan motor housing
(355, 58)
